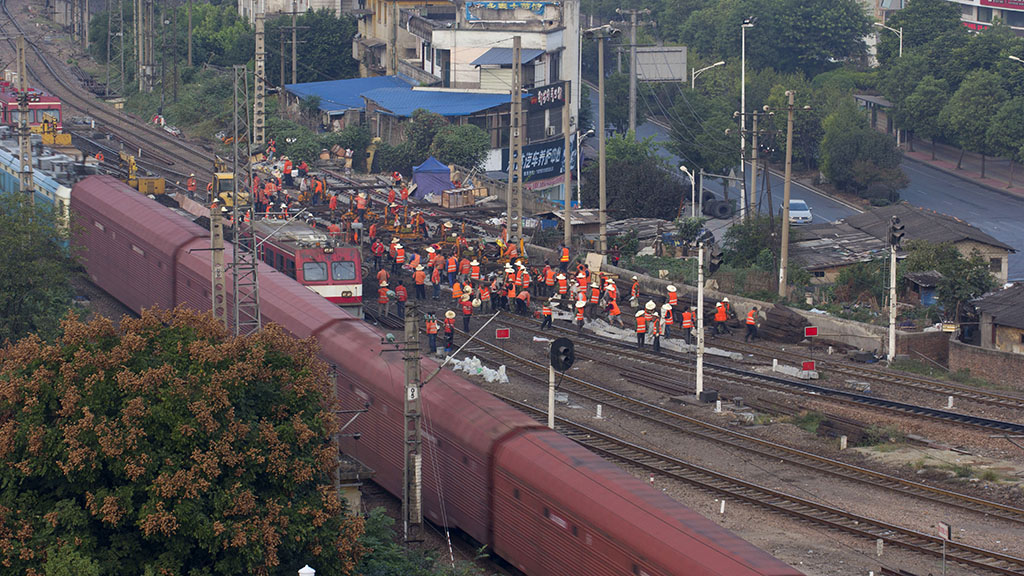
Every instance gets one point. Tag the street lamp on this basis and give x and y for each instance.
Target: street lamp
(693, 191)
(747, 23)
(579, 158)
(695, 73)
(894, 31)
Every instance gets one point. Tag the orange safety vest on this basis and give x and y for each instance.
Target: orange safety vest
(400, 255)
(456, 290)
(475, 273)
(419, 277)
(668, 318)
(687, 319)
(565, 255)
(752, 318)
(485, 293)
(672, 298)
(360, 203)
(402, 293)
(595, 294)
(614, 309)
(191, 184)
(464, 266)
(431, 326)
(435, 276)
(635, 290)
(579, 314)
(563, 286)
(549, 276)
(720, 313)
(545, 310)
(641, 324)
(453, 264)
(382, 295)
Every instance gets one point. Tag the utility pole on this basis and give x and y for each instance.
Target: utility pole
(115, 46)
(295, 43)
(412, 509)
(85, 25)
(189, 33)
(174, 49)
(247, 318)
(150, 60)
(784, 260)
(24, 135)
(601, 33)
(259, 100)
(219, 298)
(281, 98)
(633, 13)
(747, 23)
(163, 61)
(753, 169)
(700, 320)
(567, 182)
(517, 129)
(392, 67)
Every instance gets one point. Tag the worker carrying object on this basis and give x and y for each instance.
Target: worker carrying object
(449, 331)
(667, 318)
(580, 307)
(720, 318)
(634, 293)
(751, 334)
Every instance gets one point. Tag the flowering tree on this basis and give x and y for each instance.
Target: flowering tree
(163, 446)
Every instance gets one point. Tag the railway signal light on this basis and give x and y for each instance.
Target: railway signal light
(714, 260)
(895, 232)
(563, 354)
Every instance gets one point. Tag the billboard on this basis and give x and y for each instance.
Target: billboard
(543, 159)
(662, 64)
(1011, 4)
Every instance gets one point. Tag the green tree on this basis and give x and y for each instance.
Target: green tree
(166, 445)
(310, 108)
(320, 55)
(970, 110)
(633, 165)
(963, 278)
(421, 130)
(922, 108)
(858, 159)
(753, 244)
(353, 136)
(807, 123)
(922, 21)
(698, 130)
(616, 107)
(35, 269)
(1006, 132)
(466, 145)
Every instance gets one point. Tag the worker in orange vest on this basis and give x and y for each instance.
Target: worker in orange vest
(667, 319)
(720, 318)
(190, 184)
(456, 291)
(751, 334)
(563, 285)
(485, 297)
(377, 248)
(653, 324)
(435, 279)
(360, 206)
(431, 327)
(641, 328)
(449, 331)
(545, 313)
(474, 270)
(673, 297)
(334, 230)
(391, 196)
(401, 295)
(396, 266)
(614, 313)
(464, 268)
(549, 279)
(419, 278)
(688, 323)
(383, 276)
(611, 290)
(453, 268)
(563, 258)
(595, 298)
(634, 293)
(580, 307)
(383, 306)
(467, 312)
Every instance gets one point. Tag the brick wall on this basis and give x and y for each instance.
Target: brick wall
(932, 345)
(992, 365)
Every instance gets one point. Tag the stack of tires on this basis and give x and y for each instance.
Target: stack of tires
(715, 208)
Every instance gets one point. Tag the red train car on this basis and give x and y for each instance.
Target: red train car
(41, 108)
(543, 503)
(310, 257)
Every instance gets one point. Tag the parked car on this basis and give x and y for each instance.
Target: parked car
(799, 212)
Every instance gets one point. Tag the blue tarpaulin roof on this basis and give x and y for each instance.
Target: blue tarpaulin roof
(341, 95)
(431, 166)
(503, 56)
(403, 101)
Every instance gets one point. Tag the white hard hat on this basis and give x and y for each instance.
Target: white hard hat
(420, 267)
(430, 250)
(580, 303)
(634, 277)
(639, 313)
(397, 246)
(476, 302)
(384, 284)
(449, 314)
(283, 205)
(474, 263)
(725, 299)
(650, 305)
(666, 306)
(192, 175)
(671, 288)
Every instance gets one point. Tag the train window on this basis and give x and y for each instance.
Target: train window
(636, 569)
(314, 271)
(280, 262)
(290, 268)
(547, 513)
(139, 251)
(575, 531)
(515, 493)
(342, 270)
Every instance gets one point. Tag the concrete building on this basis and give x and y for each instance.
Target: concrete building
(979, 14)
(247, 8)
(467, 43)
(1001, 320)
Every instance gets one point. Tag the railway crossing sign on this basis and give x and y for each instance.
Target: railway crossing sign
(945, 531)
(502, 333)
(810, 331)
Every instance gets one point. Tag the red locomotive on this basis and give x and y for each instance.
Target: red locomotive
(41, 108)
(310, 257)
(540, 501)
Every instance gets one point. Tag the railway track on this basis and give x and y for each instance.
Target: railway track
(159, 153)
(680, 362)
(865, 373)
(683, 424)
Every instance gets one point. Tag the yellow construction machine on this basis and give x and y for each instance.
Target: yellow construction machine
(144, 184)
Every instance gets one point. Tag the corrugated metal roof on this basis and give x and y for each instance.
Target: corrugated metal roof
(1005, 306)
(824, 246)
(921, 224)
(503, 57)
(341, 95)
(403, 101)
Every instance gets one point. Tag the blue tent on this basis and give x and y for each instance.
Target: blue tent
(431, 177)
